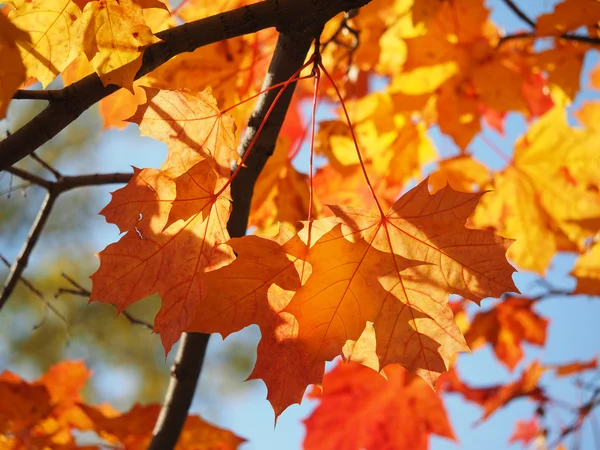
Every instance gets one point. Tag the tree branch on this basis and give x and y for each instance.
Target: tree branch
(567, 37)
(525, 18)
(73, 100)
(289, 56)
(54, 188)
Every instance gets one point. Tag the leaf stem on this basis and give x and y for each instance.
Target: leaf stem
(360, 159)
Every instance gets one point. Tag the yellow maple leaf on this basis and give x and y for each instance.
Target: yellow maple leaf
(543, 198)
(587, 272)
(113, 37)
(53, 38)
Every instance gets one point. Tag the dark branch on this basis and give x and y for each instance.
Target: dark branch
(290, 54)
(285, 15)
(34, 94)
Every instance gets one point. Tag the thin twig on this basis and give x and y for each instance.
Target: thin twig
(20, 263)
(48, 306)
(525, 18)
(567, 37)
(520, 14)
(46, 166)
(83, 292)
(54, 188)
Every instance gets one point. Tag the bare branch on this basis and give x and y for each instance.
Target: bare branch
(285, 15)
(33, 179)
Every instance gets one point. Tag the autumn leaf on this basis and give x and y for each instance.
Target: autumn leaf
(183, 207)
(462, 173)
(397, 271)
(280, 194)
(114, 36)
(360, 409)
(568, 15)
(542, 199)
(564, 370)
(493, 398)
(255, 288)
(191, 125)
(12, 71)
(587, 272)
(133, 429)
(53, 45)
(506, 326)
(525, 431)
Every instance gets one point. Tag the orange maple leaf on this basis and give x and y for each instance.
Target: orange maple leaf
(525, 431)
(182, 208)
(564, 370)
(492, 398)
(133, 429)
(397, 272)
(255, 288)
(360, 409)
(505, 327)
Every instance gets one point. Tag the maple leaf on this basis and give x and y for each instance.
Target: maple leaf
(191, 125)
(360, 409)
(567, 16)
(139, 265)
(255, 288)
(182, 208)
(587, 272)
(564, 370)
(525, 431)
(133, 429)
(505, 327)
(281, 192)
(543, 199)
(113, 37)
(396, 148)
(492, 398)
(12, 72)
(41, 414)
(563, 65)
(50, 26)
(462, 173)
(397, 272)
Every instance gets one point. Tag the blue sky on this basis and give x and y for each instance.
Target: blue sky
(573, 332)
